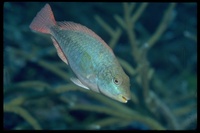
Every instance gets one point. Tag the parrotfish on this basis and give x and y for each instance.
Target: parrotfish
(93, 62)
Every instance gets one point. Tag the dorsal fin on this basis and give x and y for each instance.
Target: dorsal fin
(59, 51)
(68, 25)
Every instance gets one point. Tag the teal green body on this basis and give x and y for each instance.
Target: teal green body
(94, 63)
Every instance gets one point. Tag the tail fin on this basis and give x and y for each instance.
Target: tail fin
(43, 20)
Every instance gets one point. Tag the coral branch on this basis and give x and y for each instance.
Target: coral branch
(53, 68)
(115, 38)
(65, 88)
(17, 101)
(134, 98)
(190, 35)
(131, 35)
(184, 110)
(131, 7)
(49, 66)
(120, 21)
(24, 114)
(138, 13)
(130, 70)
(113, 105)
(94, 108)
(115, 34)
(156, 105)
(189, 121)
(37, 85)
(107, 28)
(162, 26)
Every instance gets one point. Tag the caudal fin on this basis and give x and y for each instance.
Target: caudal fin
(43, 20)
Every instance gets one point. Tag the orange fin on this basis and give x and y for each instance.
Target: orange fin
(43, 20)
(59, 51)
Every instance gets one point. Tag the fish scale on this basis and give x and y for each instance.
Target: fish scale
(74, 49)
(90, 58)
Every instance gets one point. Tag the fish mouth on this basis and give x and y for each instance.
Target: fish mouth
(123, 99)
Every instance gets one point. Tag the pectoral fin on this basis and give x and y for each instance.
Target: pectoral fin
(59, 51)
(78, 82)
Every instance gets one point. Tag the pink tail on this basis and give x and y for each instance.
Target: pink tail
(43, 20)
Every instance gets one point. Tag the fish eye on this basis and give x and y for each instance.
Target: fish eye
(117, 80)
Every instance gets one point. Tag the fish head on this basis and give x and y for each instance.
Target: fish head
(115, 85)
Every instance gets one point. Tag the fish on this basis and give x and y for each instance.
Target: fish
(93, 62)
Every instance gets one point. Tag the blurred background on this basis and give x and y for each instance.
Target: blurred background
(156, 44)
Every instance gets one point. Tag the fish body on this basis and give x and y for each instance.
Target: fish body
(90, 58)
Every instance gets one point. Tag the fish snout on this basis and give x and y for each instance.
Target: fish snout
(123, 99)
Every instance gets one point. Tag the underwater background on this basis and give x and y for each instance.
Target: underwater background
(156, 44)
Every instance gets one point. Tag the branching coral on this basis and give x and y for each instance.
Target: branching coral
(139, 55)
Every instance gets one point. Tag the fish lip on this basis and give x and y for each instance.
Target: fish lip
(123, 98)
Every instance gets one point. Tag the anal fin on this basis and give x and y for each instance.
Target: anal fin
(59, 51)
(78, 82)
